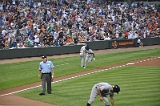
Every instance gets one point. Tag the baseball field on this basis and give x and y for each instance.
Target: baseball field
(135, 70)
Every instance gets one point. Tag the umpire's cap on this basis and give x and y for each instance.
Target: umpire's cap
(116, 88)
(44, 56)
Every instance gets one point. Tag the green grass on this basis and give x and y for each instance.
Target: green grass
(17, 74)
(139, 87)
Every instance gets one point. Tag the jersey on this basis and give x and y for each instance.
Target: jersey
(82, 50)
(105, 89)
(89, 51)
(46, 67)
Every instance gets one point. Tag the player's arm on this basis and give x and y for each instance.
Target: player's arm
(91, 52)
(52, 73)
(99, 92)
(84, 51)
(112, 101)
(39, 73)
(94, 56)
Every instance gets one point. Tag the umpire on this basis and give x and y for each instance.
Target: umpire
(46, 73)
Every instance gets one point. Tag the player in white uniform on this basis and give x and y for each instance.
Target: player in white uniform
(90, 55)
(82, 55)
(103, 89)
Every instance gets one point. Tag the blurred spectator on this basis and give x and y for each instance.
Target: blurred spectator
(55, 42)
(39, 23)
(75, 40)
(13, 43)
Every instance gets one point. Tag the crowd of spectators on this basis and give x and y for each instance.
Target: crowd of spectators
(43, 23)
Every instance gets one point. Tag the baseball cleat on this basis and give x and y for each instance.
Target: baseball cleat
(42, 94)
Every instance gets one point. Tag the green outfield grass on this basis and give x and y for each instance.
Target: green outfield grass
(139, 87)
(17, 74)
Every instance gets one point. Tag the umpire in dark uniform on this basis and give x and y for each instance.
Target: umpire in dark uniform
(46, 73)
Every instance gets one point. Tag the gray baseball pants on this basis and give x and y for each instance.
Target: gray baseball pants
(83, 63)
(46, 78)
(89, 57)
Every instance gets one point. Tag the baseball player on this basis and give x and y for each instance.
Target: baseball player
(140, 43)
(90, 55)
(103, 89)
(82, 55)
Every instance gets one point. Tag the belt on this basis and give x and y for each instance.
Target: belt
(47, 73)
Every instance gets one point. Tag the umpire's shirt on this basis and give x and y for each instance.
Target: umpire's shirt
(46, 67)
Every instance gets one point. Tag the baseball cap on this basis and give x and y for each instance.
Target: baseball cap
(116, 89)
(44, 56)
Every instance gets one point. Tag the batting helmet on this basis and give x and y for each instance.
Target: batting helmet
(116, 88)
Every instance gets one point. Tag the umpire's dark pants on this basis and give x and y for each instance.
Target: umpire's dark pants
(46, 78)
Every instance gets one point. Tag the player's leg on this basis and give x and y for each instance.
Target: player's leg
(93, 95)
(82, 62)
(93, 56)
(87, 57)
(106, 101)
(44, 83)
(141, 44)
(90, 58)
(49, 89)
(86, 60)
(82, 59)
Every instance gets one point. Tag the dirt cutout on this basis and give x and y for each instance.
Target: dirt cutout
(151, 61)
(11, 100)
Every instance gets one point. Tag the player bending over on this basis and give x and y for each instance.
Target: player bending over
(103, 89)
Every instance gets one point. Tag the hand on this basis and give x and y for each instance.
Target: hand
(38, 76)
(52, 78)
(101, 99)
